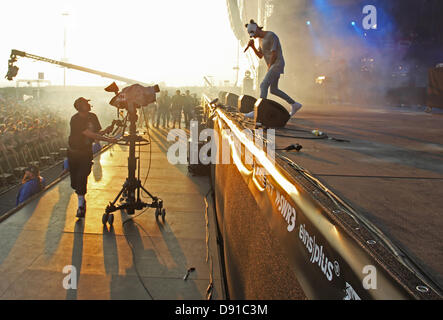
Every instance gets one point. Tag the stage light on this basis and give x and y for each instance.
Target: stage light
(353, 23)
(308, 23)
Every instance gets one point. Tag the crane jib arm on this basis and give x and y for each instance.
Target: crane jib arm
(17, 53)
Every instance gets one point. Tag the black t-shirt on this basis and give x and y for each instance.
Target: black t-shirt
(77, 140)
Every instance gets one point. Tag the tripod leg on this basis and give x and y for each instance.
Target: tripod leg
(149, 194)
(118, 196)
(108, 217)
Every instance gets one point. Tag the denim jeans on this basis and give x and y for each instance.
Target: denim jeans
(271, 80)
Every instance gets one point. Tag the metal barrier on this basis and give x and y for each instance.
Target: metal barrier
(9, 213)
(286, 236)
(41, 154)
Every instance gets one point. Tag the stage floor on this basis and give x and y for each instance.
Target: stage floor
(43, 237)
(391, 171)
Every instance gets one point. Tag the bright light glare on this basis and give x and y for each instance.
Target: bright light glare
(167, 40)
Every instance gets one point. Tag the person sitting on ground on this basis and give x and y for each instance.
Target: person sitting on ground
(32, 183)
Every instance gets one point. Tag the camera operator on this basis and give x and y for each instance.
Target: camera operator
(85, 128)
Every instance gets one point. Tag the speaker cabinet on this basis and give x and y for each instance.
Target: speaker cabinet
(222, 96)
(246, 103)
(270, 114)
(231, 99)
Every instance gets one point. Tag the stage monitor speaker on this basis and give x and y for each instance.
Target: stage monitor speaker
(231, 99)
(406, 96)
(246, 103)
(435, 88)
(222, 96)
(270, 114)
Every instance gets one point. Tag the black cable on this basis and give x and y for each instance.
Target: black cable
(132, 247)
(244, 120)
(324, 136)
(144, 210)
(210, 287)
(150, 150)
(122, 125)
(291, 129)
(291, 147)
(300, 137)
(133, 254)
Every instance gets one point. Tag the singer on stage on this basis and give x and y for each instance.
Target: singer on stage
(271, 50)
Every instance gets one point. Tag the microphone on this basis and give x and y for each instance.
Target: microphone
(249, 45)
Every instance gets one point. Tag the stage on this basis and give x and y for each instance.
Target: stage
(44, 236)
(391, 170)
(366, 197)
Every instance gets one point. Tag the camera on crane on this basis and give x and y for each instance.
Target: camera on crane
(12, 70)
(136, 95)
(131, 98)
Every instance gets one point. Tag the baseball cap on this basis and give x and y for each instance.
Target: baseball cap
(80, 101)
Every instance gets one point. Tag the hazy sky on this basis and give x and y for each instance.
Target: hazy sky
(174, 41)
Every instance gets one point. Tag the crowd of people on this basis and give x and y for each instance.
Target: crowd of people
(169, 111)
(26, 123)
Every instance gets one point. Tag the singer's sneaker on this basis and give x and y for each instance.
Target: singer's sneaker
(81, 211)
(295, 107)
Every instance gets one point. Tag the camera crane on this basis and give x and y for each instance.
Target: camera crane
(136, 95)
(13, 69)
(130, 99)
